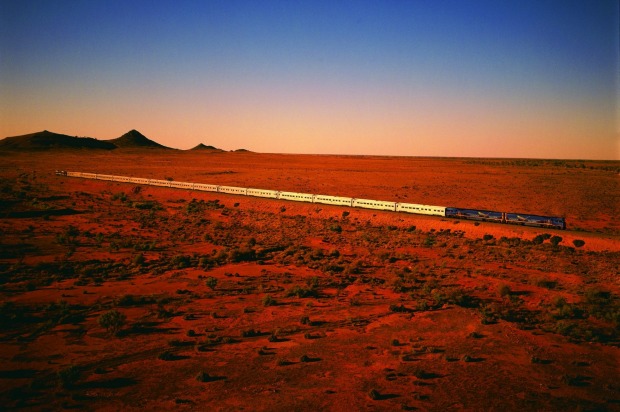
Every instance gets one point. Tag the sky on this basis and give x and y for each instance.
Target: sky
(464, 78)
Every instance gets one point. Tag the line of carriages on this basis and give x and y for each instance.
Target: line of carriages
(450, 212)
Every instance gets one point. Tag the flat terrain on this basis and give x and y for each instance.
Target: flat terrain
(117, 296)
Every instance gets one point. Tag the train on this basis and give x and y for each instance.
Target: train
(524, 219)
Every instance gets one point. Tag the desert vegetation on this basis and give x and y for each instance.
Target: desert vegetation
(234, 300)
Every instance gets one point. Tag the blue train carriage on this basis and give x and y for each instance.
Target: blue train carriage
(535, 220)
(474, 214)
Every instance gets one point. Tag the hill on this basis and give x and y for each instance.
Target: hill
(206, 148)
(135, 139)
(47, 140)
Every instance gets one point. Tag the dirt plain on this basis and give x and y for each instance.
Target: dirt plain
(230, 302)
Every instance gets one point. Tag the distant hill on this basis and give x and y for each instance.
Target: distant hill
(47, 140)
(206, 148)
(135, 139)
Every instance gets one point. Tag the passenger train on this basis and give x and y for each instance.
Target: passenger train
(450, 212)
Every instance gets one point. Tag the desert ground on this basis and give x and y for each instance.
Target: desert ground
(123, 297)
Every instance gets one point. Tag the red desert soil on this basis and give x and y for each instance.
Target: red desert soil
(236, 303)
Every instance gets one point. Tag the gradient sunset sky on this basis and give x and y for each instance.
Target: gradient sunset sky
(526, 78)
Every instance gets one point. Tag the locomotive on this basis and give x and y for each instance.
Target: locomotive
(524, 219)
(504, 217)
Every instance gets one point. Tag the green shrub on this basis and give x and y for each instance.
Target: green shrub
(166, 356)
(567, 311)
(138, 260)
(211, 282)
(204, 377)
(374, 394)
(504, 290)
(269, 301)
(120, 196)
(596, 296)
(578, 242)
(399, 308)
(163, 313)
(249, 333)
(68, 376)
(555, 240)
(204, 262)
(126, 300)
(112, 321)
(399, 286)
(421, 374)
(149, 205)
(459, 297)
(558, 301)
(429, 241)
(180, 261)
(422, 305)
(313, 282)
(244, 254)
(603, 305)
(546, 283)
(69, 236)
(355, 301)
(301, 292)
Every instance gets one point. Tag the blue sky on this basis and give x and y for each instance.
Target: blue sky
(418, 78)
